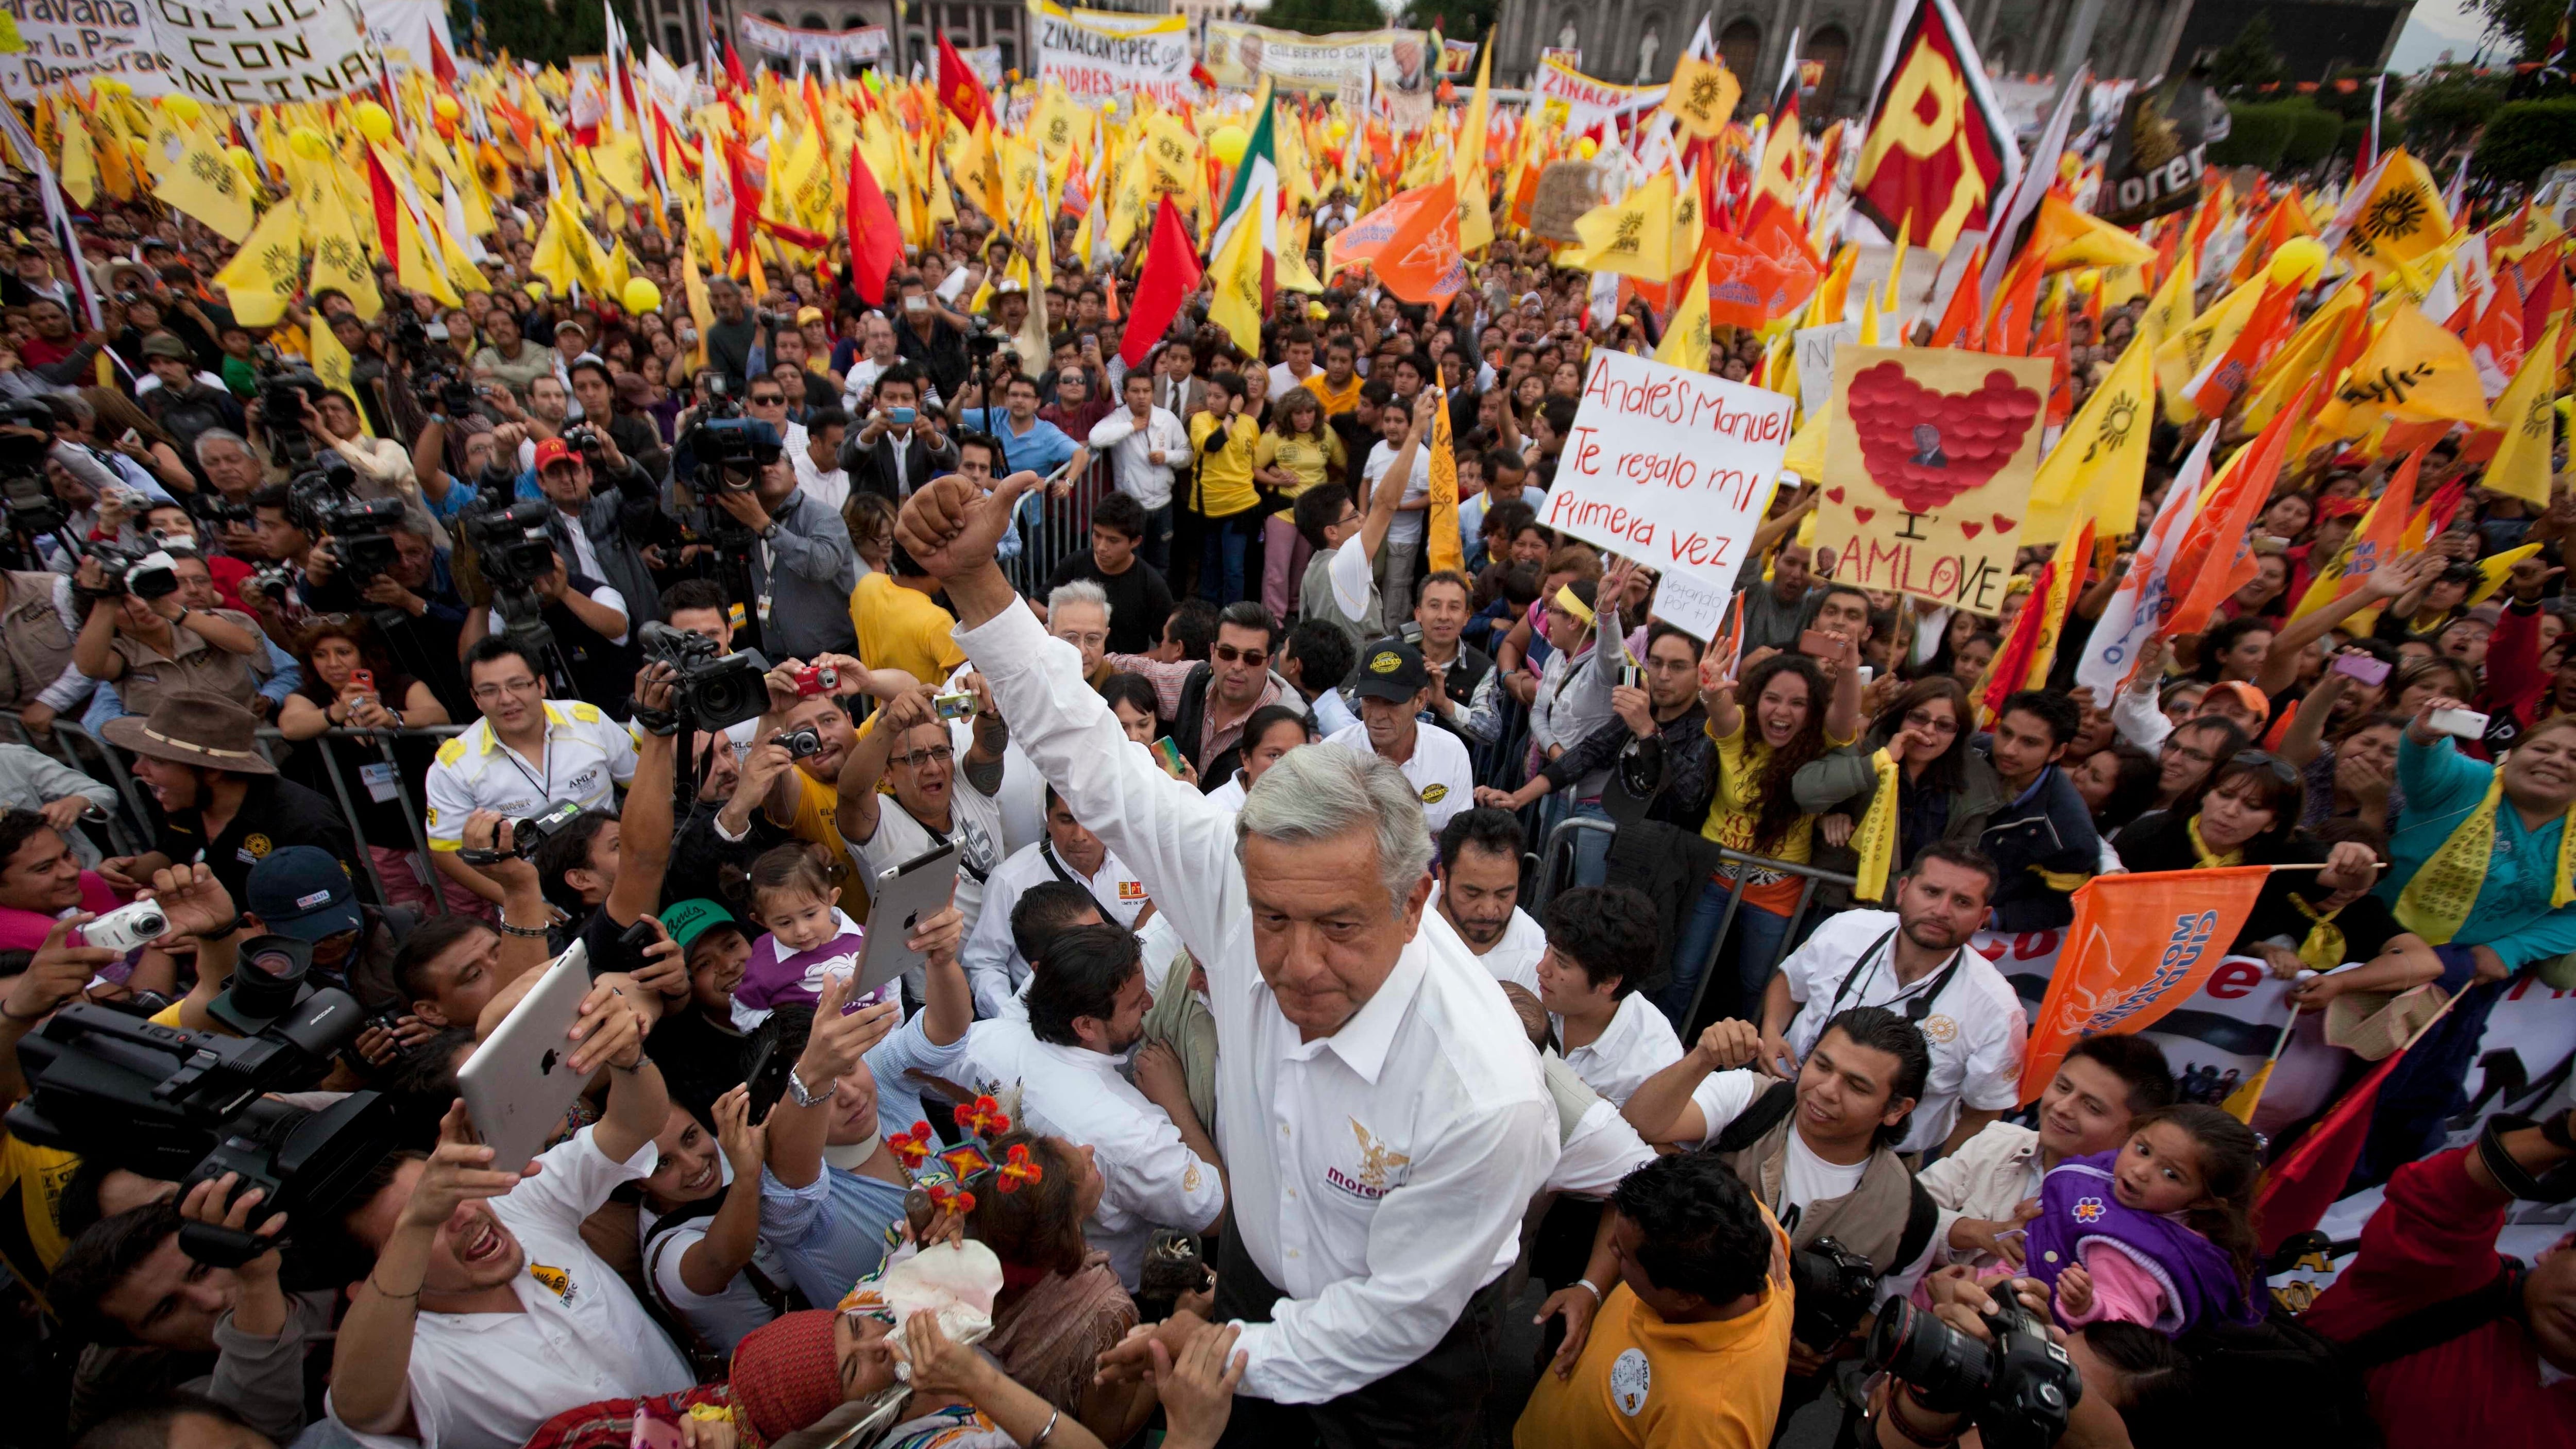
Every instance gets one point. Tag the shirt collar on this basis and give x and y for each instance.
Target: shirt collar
(1366, 1037)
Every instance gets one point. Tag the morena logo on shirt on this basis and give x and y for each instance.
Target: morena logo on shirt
(1377, 1160)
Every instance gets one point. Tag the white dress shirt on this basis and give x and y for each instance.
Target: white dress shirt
(1150, 1177)
(1514, 958)
(1637, 1043)
(1975, 1025)
(579, 1335)
(1379, 1175)
(1439, 769)
(1130, 447)
(994, 966)
(829, 487)
(1406, 526)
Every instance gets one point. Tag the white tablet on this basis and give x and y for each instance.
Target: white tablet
(520, 1081)
(903, 897)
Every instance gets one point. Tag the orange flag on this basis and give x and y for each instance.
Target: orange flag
(2217, 555)
(1420, 260)
(2139, 946)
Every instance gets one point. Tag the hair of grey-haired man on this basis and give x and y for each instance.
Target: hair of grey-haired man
(1080, 591)
(1312, 795)
(223, 436)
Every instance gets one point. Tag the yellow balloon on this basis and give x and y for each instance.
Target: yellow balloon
(445, 108)
(183, 109)
(242, 161)
(1226, 143)
(641, 296)
(1586, 147)
(2298, 261)
(374, 121)
(308, 143)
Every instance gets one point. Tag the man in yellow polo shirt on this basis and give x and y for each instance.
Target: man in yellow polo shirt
(1691, 1344)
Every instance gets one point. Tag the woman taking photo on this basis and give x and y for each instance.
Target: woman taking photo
(1783, 715)
(351, 683)
(1912, 781)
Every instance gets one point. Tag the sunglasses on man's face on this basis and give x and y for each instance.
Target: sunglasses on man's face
(1228, 653)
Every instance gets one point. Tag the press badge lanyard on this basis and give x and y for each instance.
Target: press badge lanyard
(545, 762)
(1918, 1004)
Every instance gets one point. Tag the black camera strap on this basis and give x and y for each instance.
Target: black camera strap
(1917, 1002)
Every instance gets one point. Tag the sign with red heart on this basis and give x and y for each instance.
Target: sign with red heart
(1928, 467)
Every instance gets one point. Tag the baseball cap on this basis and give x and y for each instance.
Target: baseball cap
(690, 919)
(1392, 670)
(303, 891)
(808, 314)
(553, 451)
(575, 328)
(162, 344)
(2246, 696)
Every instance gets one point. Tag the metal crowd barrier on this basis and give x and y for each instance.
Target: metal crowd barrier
(131, 831)
(1052, 529)
(1556, 867)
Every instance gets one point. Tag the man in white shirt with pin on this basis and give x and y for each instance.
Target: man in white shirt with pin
(1383, 1132)
(1915, 961)
(1070, 854)
(1480, 890)
(1394, 688)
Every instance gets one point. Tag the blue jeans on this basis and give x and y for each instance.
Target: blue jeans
(1227, 539)
(1758, 937)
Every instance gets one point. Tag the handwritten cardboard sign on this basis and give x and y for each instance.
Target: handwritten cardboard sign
(1670, 467)
(1928, 467)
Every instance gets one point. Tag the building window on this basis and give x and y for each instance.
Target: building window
(1831, 49)
(674, 41)
(1741, 44)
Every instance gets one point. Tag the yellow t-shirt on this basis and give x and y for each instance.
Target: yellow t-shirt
(1225, 476)
(32, 1179)
(1300, 456)
(1743, 761)
(1684, 1385)
(1337, 401)
(901, 628)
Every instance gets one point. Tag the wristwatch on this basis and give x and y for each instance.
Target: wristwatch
(796, 1091)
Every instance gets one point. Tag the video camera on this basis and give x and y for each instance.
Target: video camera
(715, 691)
(514, 551)
(2017, 1390)
(285, 387)
(26, 495)
(731, 452)
(362, 539)
(527, 833)
(145, 573)
(192, 1106)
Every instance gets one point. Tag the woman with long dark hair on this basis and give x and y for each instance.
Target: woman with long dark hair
(1783, 715)
(1911, 781)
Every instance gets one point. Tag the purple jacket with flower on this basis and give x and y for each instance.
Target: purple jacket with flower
(2079, 1214)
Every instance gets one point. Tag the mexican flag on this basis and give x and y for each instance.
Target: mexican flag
(1243, 256)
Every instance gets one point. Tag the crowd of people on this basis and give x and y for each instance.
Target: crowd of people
(1341, 964)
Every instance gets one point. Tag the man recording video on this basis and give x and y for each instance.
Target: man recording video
(801, 570)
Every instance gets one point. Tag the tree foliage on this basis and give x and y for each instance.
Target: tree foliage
(548, 34)
(2520, 27)
(2251, 61)
(1457, 19)
(1323, 17)
(2526, 138)
(2446, 109)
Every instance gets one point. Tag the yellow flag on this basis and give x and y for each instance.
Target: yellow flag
(2415, 371)
(1806, 454)
(1444, 549)
(2180, 356)
(2171, 309)
(331, 363)
(2528, 414)
(339, 261)
(417, 265)
(619, 160)
(2099, 465)
(194, 177)
(2399, 223)
(262, 275)
(1702, 96)
(1632, 236)
(1685, 341)
(702, 311)
(2308, 352)
(80, 164)
(2079, 239)
(2494, 569)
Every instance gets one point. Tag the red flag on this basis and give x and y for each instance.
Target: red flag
(876, 244)
(2217, 554)
(959, 87)
(2300, 1187)
(441, 64)
(1939, 148)
(1171, 273)
(380, 192)
(734, 71)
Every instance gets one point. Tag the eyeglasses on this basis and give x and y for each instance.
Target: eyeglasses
(769, 400)
(2174, 746)
(504, 687)
(2270, 764)
(935, 755)
(1926, 720)
(1227, 652)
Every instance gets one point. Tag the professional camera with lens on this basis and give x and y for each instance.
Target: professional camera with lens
(1834, 1288)
(715, 691)
(144, 573)
(26, 437)
(285, 387)
(731, 452)
(190, 1106)
(362, 539)
(586, 440)
(2018, 1390)
(511, 545)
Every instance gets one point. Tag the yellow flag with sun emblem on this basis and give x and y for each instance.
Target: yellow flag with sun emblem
(2100, 460)
(2399, 223)
(191, 175)
(1702, 96)
(2528, 413)
(262, 275)
(1632, 236)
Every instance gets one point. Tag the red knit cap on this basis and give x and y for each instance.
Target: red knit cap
(785, 1375)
